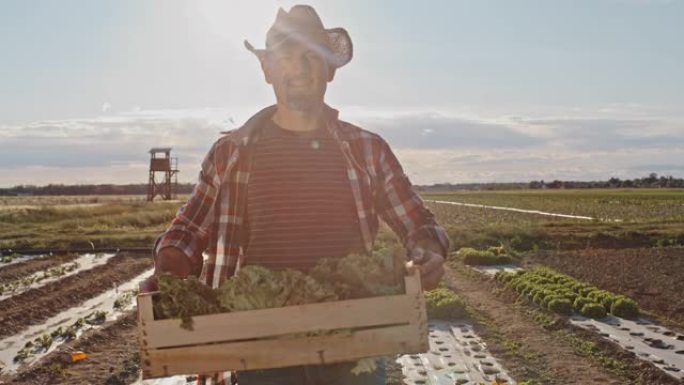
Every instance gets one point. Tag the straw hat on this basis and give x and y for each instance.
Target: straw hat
(303, 24)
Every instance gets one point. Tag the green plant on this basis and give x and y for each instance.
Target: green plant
(491, 256)
(96, 318)
(57, 332)
(44, 342)
(124, 300)
(69, 334)
(593, 310)
(579, 303)
(78, 323)
(625, 308)
(444, 304)
(560, 306)
(22, 355)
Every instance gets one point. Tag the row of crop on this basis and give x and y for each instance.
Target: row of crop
(488, 257)
(43, 342)
(9, 258)
(563, 294)
(58, 271)
(444, 304)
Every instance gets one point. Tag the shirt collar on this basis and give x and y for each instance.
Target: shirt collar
(243, 135)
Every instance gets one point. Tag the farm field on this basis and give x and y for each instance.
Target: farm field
(641, 256)
(623, 204)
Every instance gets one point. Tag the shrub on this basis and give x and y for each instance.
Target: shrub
(471, 257)
(527, 290)
(476, 257)
(624, 307)
(593, 310)
(444, 304)
(504, 276)
(584, 292)
(560, 306)
(545, 302)
(570, 296)
(504, 260)
(579, 303)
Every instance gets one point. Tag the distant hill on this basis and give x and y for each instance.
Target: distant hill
(651, 181)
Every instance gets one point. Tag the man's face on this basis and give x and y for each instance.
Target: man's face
(298, 73)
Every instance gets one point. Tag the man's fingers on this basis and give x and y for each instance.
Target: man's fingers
(148, 285)
(418, 255)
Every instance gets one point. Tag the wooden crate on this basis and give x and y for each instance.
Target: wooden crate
(261, 339)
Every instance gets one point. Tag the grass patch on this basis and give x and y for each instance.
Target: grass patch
(112, 224)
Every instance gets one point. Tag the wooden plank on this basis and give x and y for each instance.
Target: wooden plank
(376, 311)
(279, 321)
(284, 352)
(145, 313)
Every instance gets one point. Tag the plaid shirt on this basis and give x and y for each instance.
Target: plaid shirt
(212, 219)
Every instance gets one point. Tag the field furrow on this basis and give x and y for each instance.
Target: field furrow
(35, 306)
(28, 265)
(38, 340)
(39, 279)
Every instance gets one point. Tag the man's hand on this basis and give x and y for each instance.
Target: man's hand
(428, 256)
(169, 260)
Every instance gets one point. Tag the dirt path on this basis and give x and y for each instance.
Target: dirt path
(112, 359)
(37, 305)
(524, 347)
(23, 269)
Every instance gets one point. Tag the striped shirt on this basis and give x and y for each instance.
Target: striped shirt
(213, 220)
(300, 206)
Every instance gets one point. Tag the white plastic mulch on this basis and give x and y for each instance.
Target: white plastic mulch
(457, 356)
(9, 347)
(84, 262)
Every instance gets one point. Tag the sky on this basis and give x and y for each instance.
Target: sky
(463, 91)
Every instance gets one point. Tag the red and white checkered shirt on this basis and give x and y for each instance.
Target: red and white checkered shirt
(212, 220)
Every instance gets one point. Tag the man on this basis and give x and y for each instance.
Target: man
(296, 184)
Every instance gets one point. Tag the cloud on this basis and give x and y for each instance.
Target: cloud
(112, 142)
(584, 134)
(433, 146)
(435, 131)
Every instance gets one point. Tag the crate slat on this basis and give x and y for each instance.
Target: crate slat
(256, 339)
(263, 323)
(283, 352)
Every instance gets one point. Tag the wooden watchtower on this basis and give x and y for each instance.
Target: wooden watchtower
(161, 161)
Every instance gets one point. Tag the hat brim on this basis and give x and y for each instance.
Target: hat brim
(340, 47)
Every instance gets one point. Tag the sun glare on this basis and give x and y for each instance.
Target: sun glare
(236, 20)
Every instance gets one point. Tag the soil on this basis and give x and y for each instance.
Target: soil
(23, 269)
(37, 305)
(564, 236)
(112, 359)
(653, 277)
(529, 350)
